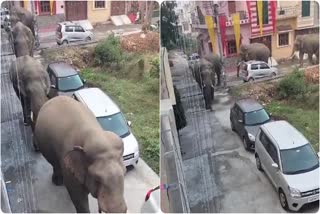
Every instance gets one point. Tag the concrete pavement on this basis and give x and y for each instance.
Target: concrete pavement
(221, 175)
(27, 174)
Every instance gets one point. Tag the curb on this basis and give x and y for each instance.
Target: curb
(5, 205)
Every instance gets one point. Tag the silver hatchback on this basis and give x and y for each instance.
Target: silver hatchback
(290, 162)
(251, 70)
(67, 32)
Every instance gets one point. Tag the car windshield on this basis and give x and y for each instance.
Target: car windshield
(299, 160)
(4, 12)
(256, 117)
(70, 83)
(115, 123)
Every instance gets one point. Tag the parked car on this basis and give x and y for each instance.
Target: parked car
(290, 162)
(111, 119)
(246, 115)
(64, 79)
(152, 201)
(71, 32)
(252, 70)
(5, 17)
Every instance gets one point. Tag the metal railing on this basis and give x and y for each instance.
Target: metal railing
(287, 12)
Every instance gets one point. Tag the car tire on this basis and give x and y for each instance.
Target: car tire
(250, 79)
(283, 200)
(88, 39)
(273, 74)
(232, 126)
(258, 162)
(65, 42)
(245, 144)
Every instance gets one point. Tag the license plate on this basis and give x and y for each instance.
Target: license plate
(313, 198)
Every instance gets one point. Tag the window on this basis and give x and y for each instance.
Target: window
(99, 4)
(232, 7)
(265, 16)
(69, 29)
(305, 8)
(283, 39)
(264, 66)
(44, 7)
(272, 150)
(254, 67)
(231, 47)
(78, 29)
(264, 139)
(210, 47)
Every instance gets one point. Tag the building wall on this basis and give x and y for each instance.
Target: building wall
(283, 51)
(304, 22)
(96, 15)
(60, 7)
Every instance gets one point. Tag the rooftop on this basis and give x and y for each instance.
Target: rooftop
(248, 105)
(284, 134)
(62, 69)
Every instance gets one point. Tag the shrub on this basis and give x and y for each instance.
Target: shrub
(108, 51)
(292, 86)
(155, 68)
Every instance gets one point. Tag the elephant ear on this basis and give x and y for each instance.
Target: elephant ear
(76, 163)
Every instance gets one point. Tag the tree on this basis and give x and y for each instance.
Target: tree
(168, 24)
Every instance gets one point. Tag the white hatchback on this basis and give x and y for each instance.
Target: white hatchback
(111, 119)
(252, 70)
(67, 32)
(290, 162)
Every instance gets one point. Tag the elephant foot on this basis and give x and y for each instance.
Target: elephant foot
(57, 180)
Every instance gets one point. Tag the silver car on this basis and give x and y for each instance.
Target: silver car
(251, 70)
(67, 32)
(290, 162)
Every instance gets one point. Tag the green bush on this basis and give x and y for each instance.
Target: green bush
(293, 86)
(155, 67)
(108, 52)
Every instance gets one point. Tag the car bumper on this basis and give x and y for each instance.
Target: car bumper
(132, 161)
(296, 203)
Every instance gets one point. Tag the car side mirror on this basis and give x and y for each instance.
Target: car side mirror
(240, 121)
(274, 165)
(53, 86)
(318, 154)
(84, 81)
(129, 123)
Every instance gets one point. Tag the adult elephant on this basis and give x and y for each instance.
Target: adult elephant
(84, 157)
(254, 51)
(217, 64)
(19, 14)
(31, 84)
(23, 40)
(306, 44)
(207, 81)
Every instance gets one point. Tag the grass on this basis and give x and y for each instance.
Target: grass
(139, 101)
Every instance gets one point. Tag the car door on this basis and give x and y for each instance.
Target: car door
(79, 33)
(264, 70)
(238, 122)
(271, 158)
(69, 33)
(255, 71)
(53, 91)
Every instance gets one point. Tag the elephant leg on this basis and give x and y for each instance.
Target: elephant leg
(219, 79)
(310, 58)
(78, 193)
(301, 54)
(57, 177)
(317, 55)
(26, 109)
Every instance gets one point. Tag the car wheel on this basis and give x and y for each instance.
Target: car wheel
(273, 74)
(245, 144)
(88, 39)
(65, 42)
(232, 126)
(250, 79)
(283, 200)
(258, 162)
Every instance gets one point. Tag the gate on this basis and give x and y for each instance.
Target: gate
(118, 8)
(76, 10)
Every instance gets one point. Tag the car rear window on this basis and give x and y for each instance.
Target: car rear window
(58, 28)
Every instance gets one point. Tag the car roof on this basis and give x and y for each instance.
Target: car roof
(62, 69)
(248, 105)
(254, 62)
(284, 134)
(97, 101)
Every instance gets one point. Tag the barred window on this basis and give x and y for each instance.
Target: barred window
(44, 7)
(231, 47)
(99, 4)
(283, 39)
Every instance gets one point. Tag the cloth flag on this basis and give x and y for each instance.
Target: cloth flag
(236, 28)
(273, 14)
(25, 4)
(249, 10)
(210, 26)
(223, 20)
(51, 7)
(260, 15)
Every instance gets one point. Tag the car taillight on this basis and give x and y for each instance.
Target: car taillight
(59, 35)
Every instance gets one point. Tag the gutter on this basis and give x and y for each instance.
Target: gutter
(5, 205)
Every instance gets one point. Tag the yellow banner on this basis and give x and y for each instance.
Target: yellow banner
(210, 26)
(51, 7)
(236, 28)
(260, 11)
(25, 4)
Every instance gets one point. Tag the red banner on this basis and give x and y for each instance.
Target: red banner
(223, 20)
(36, 5)
(273, 14)
(249, 10)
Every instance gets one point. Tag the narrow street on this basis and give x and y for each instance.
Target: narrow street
(221, 175)
(28, 175)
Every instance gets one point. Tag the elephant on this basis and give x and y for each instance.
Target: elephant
(84, 157)
(254, 51)
(23, 40)
(217, 64)
(19, 14)
(31, 84)
(306, 44)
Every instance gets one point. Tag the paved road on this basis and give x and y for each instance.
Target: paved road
(28, 175)
(221, 176)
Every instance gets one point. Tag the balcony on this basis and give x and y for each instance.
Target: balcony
(286, 13)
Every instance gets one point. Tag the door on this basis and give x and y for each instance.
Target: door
(118, 8)
(239, 120)
(271, 158)
(254, 71)
(79, 33)
(76, 10)
(264, 70)
(69, 33)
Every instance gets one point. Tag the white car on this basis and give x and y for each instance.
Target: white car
(290, 162)
(111, 119)
(67, 32)
(251, 70)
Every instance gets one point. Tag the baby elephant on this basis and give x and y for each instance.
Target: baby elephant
(84, 157)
